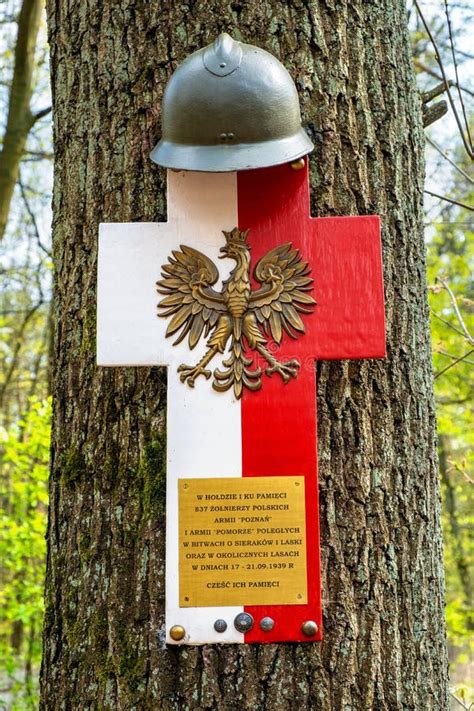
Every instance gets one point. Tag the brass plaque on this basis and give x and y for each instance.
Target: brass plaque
(242, 541)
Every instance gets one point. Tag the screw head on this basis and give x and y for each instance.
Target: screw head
(267, 624)
(227, 136)
(177, 632)
(309, 628)
(243, 622)
(298, 164)
(220, 625)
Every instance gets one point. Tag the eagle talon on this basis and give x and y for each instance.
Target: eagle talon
(288, 369)
(190, 373)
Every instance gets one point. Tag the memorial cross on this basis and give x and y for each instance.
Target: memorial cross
(268, 433)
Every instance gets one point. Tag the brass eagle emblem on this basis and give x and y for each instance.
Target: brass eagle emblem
(237, 311)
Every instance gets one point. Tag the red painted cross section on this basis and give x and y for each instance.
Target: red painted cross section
(279, 422)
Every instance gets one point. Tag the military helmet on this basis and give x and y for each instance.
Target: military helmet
(230, 106)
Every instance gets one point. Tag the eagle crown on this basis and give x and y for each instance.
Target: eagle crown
(236, 244)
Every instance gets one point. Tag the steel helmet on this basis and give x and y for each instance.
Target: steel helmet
(230, 106)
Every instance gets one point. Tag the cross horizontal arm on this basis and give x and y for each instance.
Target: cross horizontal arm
(344, 254)
(131, 255)
(349, 321)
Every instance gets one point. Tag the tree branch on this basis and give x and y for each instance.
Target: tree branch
(446, 354)
(455, 362)
(448, 401)
(434, 112)
(446, 323)
(40, 114)
(32, 218)
(453, 54)
(446, 157)
(454, 302)
(465, 139)
(435, 91)
(453, 202)
(424, 68)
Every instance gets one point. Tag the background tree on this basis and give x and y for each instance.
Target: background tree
(25, 276)
(20, 118)
(450, 262)
(382, 572)
(25, 194)
(442, 50)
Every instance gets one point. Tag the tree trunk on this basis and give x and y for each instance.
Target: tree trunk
(20, 119)
(384, 644)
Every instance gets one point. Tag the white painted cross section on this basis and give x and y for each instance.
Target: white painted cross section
(204, 427)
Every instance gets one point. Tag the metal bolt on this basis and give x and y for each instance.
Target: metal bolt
(177, 632)
(267, 624)
(298, 164)
(227, 136)
(309, 628)
(243, 622)
(222, 65)
(220, 625)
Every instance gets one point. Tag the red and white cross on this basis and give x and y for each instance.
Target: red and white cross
(271, 432)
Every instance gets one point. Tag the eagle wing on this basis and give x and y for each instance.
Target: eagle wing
(285, 282)
(190, 300)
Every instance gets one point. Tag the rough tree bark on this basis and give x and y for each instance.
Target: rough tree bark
(381, 546)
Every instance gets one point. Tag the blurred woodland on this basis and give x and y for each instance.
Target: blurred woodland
(443, 57)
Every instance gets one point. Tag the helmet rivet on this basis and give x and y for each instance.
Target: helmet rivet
(298, 164)
(309, 628)
(177, 632)
(223, 136)
(230, 136)
(223, 64)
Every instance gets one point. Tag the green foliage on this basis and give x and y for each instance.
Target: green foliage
(23, 516)
(450, 260)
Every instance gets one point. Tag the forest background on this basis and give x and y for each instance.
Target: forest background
(443, 55)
